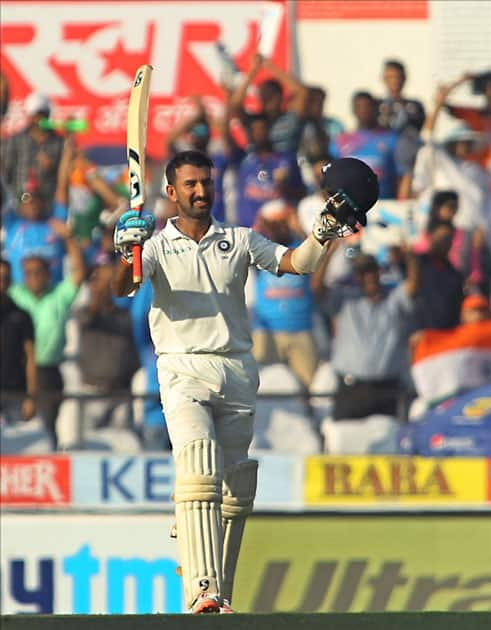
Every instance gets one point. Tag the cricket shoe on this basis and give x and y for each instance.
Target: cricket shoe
(226, 608)
(205, 604)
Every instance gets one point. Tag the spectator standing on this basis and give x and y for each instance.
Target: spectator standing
(369, 345)
(477, 119)
(319, 130)
(264, 174)
(404, 116)
(107, 356)
(395, 110)
(32, 230)
(450, 166)
(371, 143)
(441, 285)
(283, 312)
(33, 152)
(285, 122)
(18, 367)
(49, 303)
(468, 253)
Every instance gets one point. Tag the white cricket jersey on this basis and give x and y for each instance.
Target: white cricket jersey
(199, 303)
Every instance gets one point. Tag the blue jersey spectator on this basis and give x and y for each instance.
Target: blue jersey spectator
(372, 144)
(265, 175)
(283, 317)
(27, 233)
(284, 303)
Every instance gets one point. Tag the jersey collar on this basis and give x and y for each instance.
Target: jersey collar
(172, 233)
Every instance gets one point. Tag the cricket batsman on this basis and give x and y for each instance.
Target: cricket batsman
(207, 375)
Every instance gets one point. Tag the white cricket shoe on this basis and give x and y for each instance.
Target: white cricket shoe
(226, 608)
(205, 603)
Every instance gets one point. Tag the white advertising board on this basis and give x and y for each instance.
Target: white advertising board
(88, 564)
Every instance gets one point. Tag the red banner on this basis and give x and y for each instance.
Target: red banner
(84, 56)
(362, 9)
(31, 481)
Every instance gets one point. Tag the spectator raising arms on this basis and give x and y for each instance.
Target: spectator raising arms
(285, 123)
(48, 303)
(478, 119)
(451, 166)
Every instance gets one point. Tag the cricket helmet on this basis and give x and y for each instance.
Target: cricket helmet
(351, 189)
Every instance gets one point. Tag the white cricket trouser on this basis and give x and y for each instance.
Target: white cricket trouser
(209, 396)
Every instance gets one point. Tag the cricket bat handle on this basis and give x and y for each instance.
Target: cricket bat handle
(137, 264)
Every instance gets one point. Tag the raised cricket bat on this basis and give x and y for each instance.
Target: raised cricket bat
(136, 139)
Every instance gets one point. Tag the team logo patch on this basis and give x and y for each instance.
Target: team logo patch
(224, 246)
(204, 584)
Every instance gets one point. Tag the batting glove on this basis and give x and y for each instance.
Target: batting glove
(132, 229)
(325, 227)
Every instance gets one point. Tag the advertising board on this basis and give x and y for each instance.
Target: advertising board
(85, 56)
(89, 564)
(42, 481)
(328, 563)
(127, 564)
(395, 481)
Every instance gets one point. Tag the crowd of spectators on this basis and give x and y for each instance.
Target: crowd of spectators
(350, 330)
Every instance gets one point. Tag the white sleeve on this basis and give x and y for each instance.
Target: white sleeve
(422, 174)
(149, 258)
(263, 253)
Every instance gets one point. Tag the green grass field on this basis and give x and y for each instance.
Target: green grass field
(283, 621)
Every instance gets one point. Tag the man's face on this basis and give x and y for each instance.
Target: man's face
(394, 80)
(31, 206)
(36, 275)
(370, 282)
(365, 111)
(441, 241)
(259, 135)
(193, 191)
(448, 210)
(271, 101)
(315, 105)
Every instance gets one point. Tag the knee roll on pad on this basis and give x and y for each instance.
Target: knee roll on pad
(239, 490)
(198, 496)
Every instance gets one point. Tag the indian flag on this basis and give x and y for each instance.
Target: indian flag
(446, 362)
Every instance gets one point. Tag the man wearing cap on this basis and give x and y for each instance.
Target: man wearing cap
(33, 152)
(450, 165)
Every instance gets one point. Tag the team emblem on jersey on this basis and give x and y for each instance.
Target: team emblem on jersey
(224, 246)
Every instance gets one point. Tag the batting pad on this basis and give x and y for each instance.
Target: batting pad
(239, 490)
(198, 496)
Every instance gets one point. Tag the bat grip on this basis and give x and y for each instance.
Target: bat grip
(137, 264)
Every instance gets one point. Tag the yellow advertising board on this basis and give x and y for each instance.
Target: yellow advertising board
(369, 563)
(386, 480)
